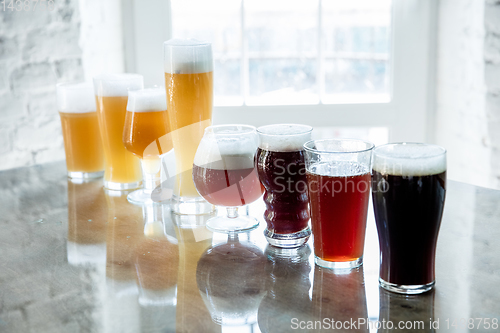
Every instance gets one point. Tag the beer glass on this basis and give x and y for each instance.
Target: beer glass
(282, 171)
(122, 169)
(224, 174)
(408, 190)
(189, 86)
(146, 135)
(82, 140)
(338, 178)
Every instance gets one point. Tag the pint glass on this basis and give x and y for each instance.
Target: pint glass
(408, 189)
(338, 177)
(282, 172)
(122, 169)
(82, 140)
(146, 135)
(189, 86)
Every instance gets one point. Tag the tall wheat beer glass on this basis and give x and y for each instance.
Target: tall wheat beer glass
(189, 86)
(122, 169)
(82, 140)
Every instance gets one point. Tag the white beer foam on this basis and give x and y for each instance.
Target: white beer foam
(226, 151)
(147, 100)
(187, 56)
(284, 137)
(409, 159)
(75, 97)
(111, 85)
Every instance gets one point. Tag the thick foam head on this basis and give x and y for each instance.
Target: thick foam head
(75, 97)
(147, 100)
(227, 147)
(409, 159)
(111, 85)
(187, 56)
(284, 137)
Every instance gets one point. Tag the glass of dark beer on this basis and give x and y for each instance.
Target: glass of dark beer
(224, 174)
(338, 179)
(281, 167)
(408, 189)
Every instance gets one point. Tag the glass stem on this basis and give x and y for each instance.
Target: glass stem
(150, 173)
(232, 212)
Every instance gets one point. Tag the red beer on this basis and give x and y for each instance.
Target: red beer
(339, 205)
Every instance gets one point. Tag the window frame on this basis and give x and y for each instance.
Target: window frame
(409, 115)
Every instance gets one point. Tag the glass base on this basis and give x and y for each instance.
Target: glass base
(85, 175)
(121, 186)
(295, 239)
(338, 265)
(191, 206)
(140, 197)
(227, 225)
(149, 297)
(406, 289)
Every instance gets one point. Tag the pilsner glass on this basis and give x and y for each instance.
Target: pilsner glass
(282, 171)
(145, 134)
(189, 86)
(82, 140)
(408, 190)
(224, 174)
(338, 179)
(122, 169)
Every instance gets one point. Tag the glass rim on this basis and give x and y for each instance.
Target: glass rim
(377, 149)
(196, 43)
(369, 144)
(307, 129)
(249, 129)
(116, 77)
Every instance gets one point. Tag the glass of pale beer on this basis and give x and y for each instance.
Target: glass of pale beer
(122, 169)
(189, 86)
(146, 135)
(82, 140)
(224, 173)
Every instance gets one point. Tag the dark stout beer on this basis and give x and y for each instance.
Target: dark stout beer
(408, 200)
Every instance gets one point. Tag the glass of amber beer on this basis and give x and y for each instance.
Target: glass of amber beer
(146, 135)
(224, 174)
(189, 85)
(82, 140)
(122, 169)
(408, 190)
(282, 171)
(338, 179)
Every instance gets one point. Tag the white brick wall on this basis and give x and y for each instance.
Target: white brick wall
(468, 87)
(39, 49)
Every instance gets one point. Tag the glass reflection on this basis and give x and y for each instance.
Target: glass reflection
(414, 310)
(340, 297)
(287, 284)
(87, 213)
(194, 239)
(125, 231)
(229, 277)
(156, 259)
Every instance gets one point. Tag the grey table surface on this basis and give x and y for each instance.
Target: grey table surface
(76, 259)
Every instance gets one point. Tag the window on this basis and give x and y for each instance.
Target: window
(347, 67)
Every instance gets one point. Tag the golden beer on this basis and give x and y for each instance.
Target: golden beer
(146, 134)
(82, 140)
(122, 169)
(189, 86)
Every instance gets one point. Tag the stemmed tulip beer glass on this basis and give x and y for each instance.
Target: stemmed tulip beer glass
(224, 174)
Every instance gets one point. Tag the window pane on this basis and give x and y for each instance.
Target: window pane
(357, 48)
(282, 50)
(216, 21)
